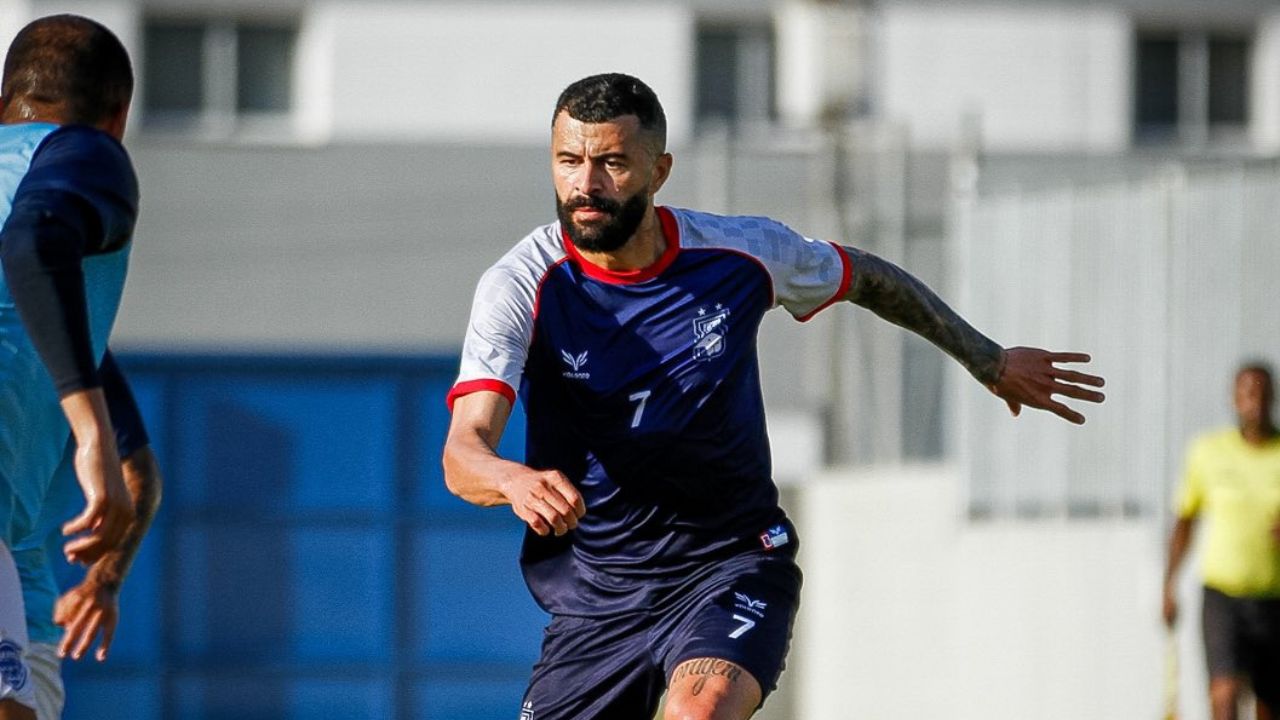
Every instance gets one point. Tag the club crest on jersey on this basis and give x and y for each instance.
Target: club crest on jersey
(12, 669)
(575, 363)
(774, 537)
(709, 329)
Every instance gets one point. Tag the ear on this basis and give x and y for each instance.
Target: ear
(661, 171)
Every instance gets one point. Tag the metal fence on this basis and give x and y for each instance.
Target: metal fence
(1165, 279)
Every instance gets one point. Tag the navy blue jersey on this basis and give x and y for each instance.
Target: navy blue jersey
(643, 388)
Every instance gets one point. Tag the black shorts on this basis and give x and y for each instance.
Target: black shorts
(616, 668)
(1242, 639)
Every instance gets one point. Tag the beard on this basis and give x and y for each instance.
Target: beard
(610, 233)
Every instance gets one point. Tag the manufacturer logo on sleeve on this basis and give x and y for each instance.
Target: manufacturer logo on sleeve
(526, 711)
(709, 330)
(774, 537)
(575, 363)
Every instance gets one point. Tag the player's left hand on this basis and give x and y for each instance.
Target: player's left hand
(1031, 377)
(84, 611)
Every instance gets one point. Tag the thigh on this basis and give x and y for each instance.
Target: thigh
(741, 622)
(713, 689)
(593, 668)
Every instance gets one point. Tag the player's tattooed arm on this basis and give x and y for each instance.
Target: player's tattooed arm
(897, 296)
(1019, 376)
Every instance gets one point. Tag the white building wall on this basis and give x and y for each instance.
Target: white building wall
(909, 611)
(490, 72)
(1264, 120)
(1044, 78)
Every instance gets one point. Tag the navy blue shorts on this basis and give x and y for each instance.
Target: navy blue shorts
(616, 668)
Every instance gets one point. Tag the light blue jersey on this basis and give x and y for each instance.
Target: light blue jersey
(38, 489)
(33, 430)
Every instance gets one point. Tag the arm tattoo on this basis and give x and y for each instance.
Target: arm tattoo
(704, 668)
(892, 293)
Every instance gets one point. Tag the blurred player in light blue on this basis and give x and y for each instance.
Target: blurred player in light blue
(68, 199)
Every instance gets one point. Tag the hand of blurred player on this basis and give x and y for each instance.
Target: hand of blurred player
(108, 509)
(1169, 606)
(84, 611)
(545, 500)
(1031, 377)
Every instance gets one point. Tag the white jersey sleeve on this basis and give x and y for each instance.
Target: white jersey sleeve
(502, 313)
(807, 274)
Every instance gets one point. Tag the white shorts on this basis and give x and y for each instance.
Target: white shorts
(46, 675)
(16, 682)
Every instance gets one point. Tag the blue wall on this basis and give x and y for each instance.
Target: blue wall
(308, 561)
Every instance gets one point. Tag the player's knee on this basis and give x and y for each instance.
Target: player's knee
(689, 708)
(707, 705)
(1223, 695)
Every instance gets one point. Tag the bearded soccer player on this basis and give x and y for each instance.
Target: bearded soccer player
(68, 202)
(654, 535)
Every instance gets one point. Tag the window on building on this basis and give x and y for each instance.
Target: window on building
(1191, 86)
(735, 78)
(219, 76)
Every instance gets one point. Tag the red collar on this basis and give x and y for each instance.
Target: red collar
(670, 231)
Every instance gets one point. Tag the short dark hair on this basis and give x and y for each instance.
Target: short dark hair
(71, 62)
(601, 98)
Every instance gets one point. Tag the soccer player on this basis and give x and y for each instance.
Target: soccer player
(1232, 478)
(654, 534)
(91, 608)
(68, 204)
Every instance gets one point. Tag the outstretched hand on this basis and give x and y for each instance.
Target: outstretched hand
(1031, 377)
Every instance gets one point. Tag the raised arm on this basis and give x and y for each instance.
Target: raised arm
(1019, 376)
(544, 499)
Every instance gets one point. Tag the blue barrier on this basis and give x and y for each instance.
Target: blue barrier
(308, 561)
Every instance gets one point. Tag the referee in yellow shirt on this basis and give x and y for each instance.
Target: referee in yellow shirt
(1233, 479)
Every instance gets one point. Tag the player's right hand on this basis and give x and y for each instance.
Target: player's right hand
(546, 501)
(108, 509)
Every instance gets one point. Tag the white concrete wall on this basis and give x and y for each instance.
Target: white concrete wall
(491, 72)
(1042, 77)
(909, 611)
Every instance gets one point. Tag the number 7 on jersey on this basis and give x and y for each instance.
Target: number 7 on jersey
(641, 397)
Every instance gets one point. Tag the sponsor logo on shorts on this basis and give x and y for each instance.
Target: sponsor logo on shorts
(526, 711)
(744, 602)
(774, 537)
(12, 670)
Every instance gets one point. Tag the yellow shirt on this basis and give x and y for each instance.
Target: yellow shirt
(1237, 488)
